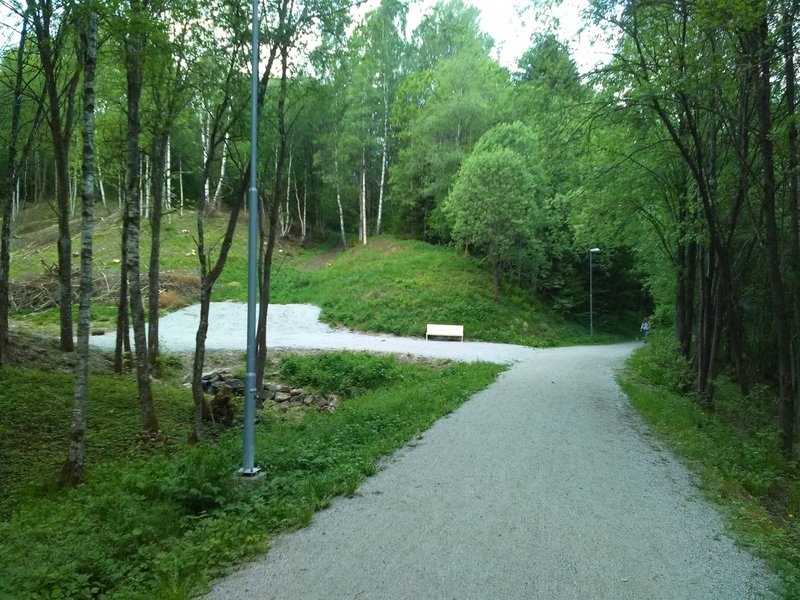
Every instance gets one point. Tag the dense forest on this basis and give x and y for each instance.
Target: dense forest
(678, 158)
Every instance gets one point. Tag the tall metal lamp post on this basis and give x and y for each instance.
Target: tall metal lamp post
(248, 439)
(591, 323)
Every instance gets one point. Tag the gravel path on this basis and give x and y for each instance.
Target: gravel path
(543, 486)
(297, 326)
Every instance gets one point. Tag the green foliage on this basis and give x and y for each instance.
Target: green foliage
(663, 365)
(495, 203)
(735, 449)
(343, 373)
(159, 522)
(439, 115)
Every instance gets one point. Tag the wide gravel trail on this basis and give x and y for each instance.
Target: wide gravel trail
(543, 486)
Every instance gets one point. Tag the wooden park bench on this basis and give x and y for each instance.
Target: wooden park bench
(444, 331)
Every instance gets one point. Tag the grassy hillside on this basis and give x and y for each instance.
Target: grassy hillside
(389, 286)
(159, 518)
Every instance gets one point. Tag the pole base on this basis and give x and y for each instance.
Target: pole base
(248, 472)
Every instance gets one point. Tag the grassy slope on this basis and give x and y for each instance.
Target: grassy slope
(390, 286)
(158, 521)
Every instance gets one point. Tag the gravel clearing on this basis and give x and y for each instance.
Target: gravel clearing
(297, 327)
(543, 486)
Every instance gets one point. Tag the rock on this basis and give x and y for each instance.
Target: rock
(282, 397)
(296, 391)
(266, 395)
(276, 387)
(237, 385)
(307, 400)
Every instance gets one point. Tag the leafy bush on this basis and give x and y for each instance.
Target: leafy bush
(661, 363)
(343, 373)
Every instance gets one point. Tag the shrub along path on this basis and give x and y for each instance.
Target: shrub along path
(544, 485)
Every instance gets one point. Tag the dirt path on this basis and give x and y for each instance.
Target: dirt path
(322, 259)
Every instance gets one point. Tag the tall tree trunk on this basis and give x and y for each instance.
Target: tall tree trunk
(122, 346)
(180, 185)
(5, 233)
(789, 50)
(134, 46)
(277, 193)
(705, 324)
(205, 147)
(60, 128)
(72, 472)
(384, 154)
(301, 215)
(101, 188)
(223, 160)
(154, 273)
(363, 197)
(339, 200)
(168, 175)
(685, 281)
(786, 398)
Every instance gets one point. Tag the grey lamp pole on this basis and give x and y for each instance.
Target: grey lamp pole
(591, 324)
(248, 442)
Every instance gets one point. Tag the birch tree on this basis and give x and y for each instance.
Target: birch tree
(61, 74)
(72, 472)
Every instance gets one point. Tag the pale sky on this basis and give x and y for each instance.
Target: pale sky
(512, 31)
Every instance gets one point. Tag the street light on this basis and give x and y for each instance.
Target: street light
(591, 324)
(248, 437)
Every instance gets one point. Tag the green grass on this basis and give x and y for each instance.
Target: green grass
(734, 448)
(398, 286)
(389, 286)
(36, 409)
(160, 522)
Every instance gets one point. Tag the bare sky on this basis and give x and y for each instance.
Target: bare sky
(512, 22)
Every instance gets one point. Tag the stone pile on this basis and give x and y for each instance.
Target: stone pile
(223, 383)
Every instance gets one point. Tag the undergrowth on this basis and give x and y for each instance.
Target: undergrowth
(160, 522)
(733, 446)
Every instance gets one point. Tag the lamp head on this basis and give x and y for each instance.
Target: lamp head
(594, 250)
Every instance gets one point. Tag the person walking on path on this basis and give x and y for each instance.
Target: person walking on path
(645, 329)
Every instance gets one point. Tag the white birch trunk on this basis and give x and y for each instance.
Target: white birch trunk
(339, 200)
(284, 214)
(363, 225)
(384, 154)
(101, 187)
(204, 145)
(180, 184)
(73, 192)
(224, 159)
(168, 177)
(15, 203)
(301, 212)
(147, 186)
